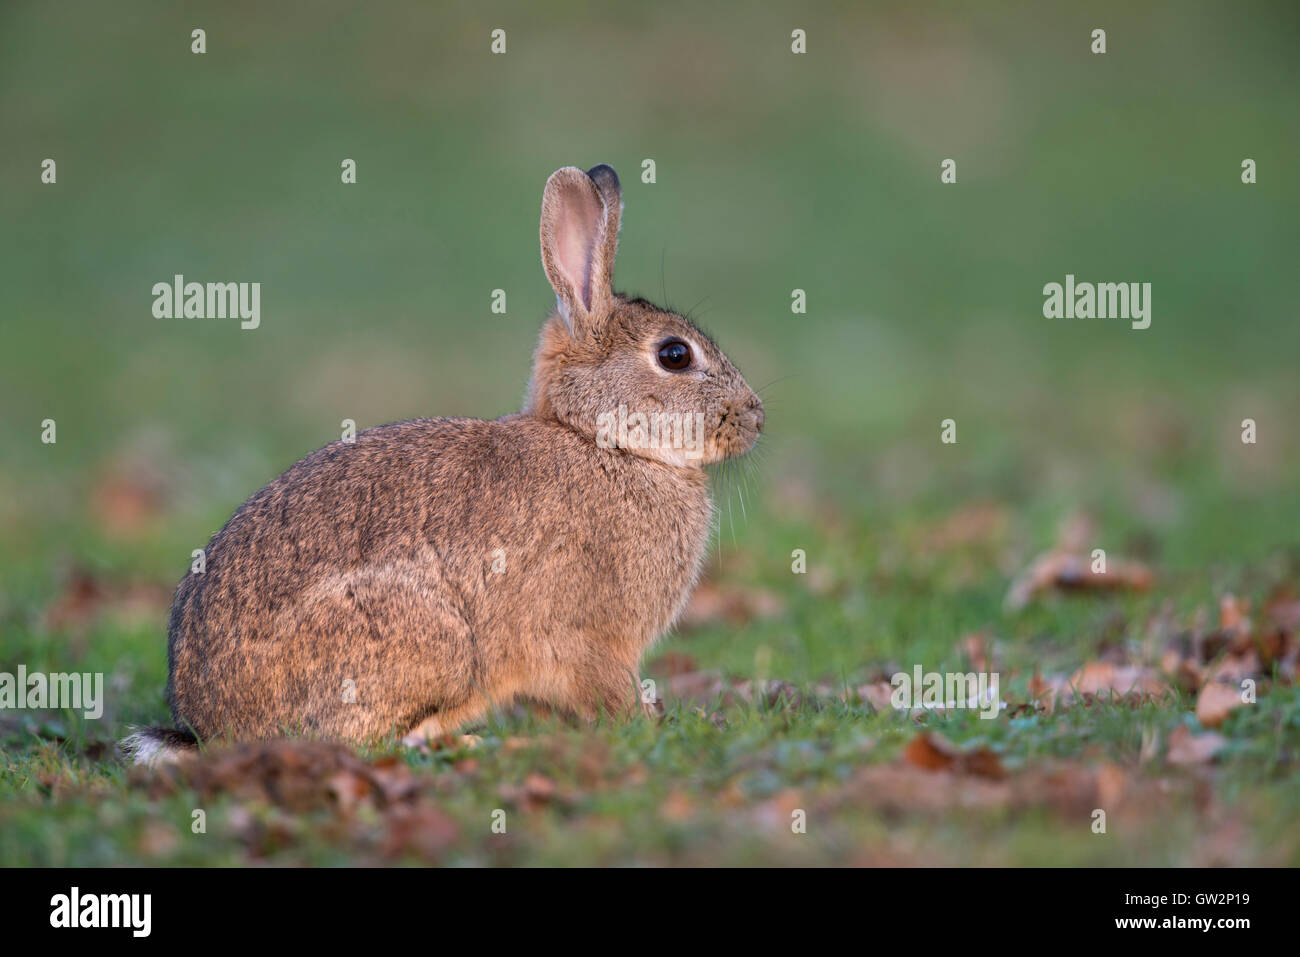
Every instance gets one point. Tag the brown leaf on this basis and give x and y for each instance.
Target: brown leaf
(930, 752)
(1283, 609)
(536, 791)
(904, 789)
(1063, 571)
(1102, 678)
(349, 789)
(1178, 663)
(1188, 748)
(1068, 567)
(677, 807)
(1070, 789)
(422, 830)
(1232, 668)
(977, 647)
(1112, 783)
(878, 694)
(297, 775)
(1098, 681)
(1215, 702)
(539, 786)
(393, 778)
(933, 752)
(1233, 614)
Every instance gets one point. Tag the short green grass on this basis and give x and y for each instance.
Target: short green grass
(695, 789)
(774, 173)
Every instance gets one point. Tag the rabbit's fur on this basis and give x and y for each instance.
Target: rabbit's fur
(410, 580)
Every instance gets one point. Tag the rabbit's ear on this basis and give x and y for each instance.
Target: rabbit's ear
(580, 215)
(611, 191)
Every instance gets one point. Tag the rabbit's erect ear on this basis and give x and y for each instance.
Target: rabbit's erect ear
(611, 191)
(580, 215)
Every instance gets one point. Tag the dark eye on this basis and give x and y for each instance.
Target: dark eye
(675, 355)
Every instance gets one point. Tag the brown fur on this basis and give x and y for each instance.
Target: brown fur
(373, 562)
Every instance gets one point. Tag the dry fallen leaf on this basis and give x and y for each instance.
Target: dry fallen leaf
(1233, 614)
(978, 649)
(1071, 789)
(422, 830)
(1215, 702)
(1099, 681)
(1102, 677)
(536, 791)
(677, 807)
(924, 751)
(1283, 610)
(878, 694)
(1069, 571)
(1068, 566)
(1178, 663)
(1232, 668)
(299, 776)
(1188, 748)
(933, 752)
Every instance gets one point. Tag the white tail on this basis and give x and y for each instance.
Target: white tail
(154, 746)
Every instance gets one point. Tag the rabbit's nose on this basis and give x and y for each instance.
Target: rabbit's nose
(755, 408)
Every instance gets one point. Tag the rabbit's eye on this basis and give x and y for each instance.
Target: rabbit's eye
(675, 355)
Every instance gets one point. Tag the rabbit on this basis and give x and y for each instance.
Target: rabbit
(408, 581)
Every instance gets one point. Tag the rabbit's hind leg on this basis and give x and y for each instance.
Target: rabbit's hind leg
(381, 649)
(445, 722)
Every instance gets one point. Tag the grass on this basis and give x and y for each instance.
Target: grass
(774, 173)
(694, 789)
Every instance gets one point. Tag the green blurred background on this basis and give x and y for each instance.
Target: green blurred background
(774, 172)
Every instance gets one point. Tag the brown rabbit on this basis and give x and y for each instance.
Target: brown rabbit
(410, 580)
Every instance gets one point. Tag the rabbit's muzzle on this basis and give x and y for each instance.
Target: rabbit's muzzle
(739, 423)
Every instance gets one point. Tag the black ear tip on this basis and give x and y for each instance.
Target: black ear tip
(604, 177)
